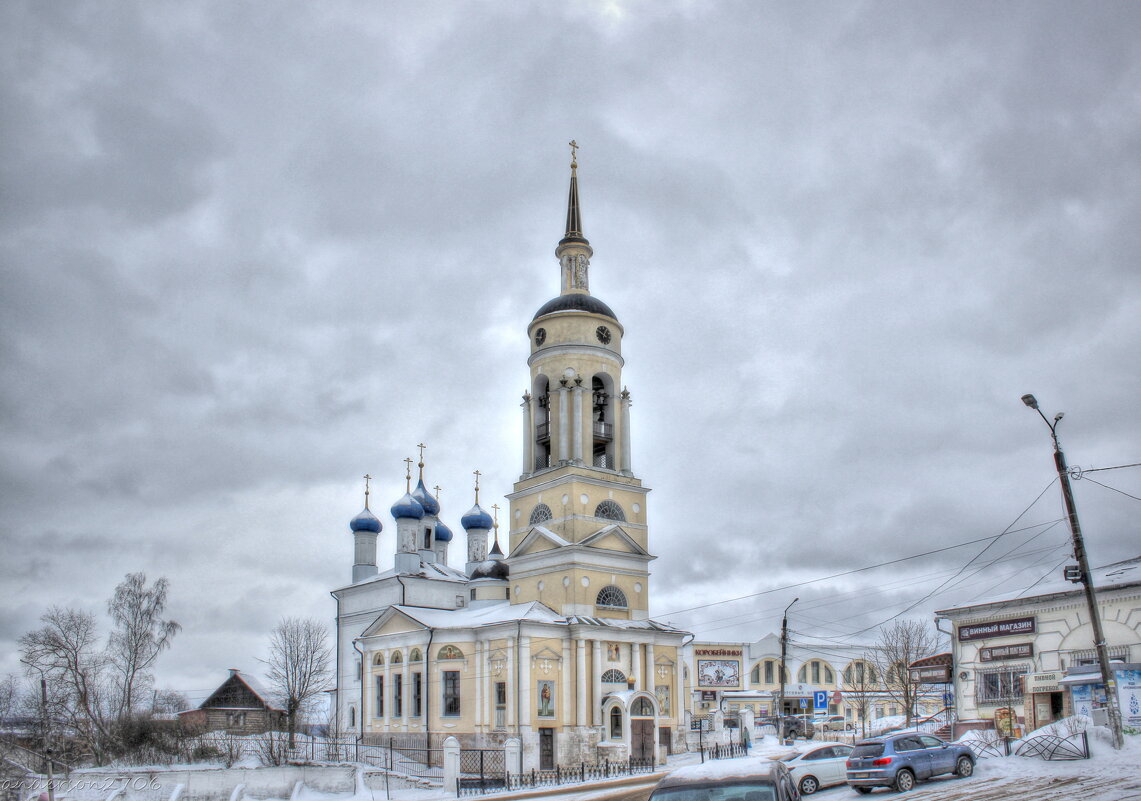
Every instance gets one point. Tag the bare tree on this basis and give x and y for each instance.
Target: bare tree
(900, 644)
(138, 637)
(861, 686)
(66, 654)
(299, 666)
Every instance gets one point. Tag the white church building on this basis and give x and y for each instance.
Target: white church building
(550, 643)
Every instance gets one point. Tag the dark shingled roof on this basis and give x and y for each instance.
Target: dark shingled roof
(575, 302)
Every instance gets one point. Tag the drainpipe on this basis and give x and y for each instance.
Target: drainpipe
(426, 690)
(403, 592)
(337, 707)
(359, 651)
(518, 691)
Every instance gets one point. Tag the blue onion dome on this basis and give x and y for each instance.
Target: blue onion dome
(407, 507)
(476, 518)
(443, 533)
(366, 521)
(421, 494)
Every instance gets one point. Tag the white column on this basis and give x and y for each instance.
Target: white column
(387, 688)
(636, 665)
(528, 435)
(578, 432)
(564, 424)
(580, 680)
(596, 702)
(624, 447)
(480, 681)
(405, 693)
(651, 668)
(525, 688)
(512, 696)
(565, 683)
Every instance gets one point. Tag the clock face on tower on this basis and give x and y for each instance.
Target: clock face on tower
(540, 336)
(603, 334)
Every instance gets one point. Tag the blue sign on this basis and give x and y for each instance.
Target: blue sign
(948, 698)
(804, 703)
(820, 699)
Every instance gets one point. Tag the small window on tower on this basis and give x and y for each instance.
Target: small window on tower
(609, 510)
(540, 513)
(611, 597)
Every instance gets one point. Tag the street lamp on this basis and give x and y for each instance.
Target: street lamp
(1087, 581)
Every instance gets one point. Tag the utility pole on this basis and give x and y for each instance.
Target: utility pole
(1107, 677)
(783, 654)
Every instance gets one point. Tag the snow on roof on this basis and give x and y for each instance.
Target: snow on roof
(1117, 575)
(616, 623)
(472, 617)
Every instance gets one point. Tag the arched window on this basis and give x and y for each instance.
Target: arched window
(352, 717)
(378, 659)
(615, 723)
(540, 513)
(612, 597)
(450, 652)
(397, 658)
(415, 656)
(614, 677)
(642, 708)
(609, 510)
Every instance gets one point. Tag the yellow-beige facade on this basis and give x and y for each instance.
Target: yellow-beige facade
(550, 643)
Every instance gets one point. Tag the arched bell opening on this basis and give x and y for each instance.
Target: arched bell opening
(603, 411)
(542, 425)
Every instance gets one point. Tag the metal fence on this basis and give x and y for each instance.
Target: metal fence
(478, 785)
(1049, 747)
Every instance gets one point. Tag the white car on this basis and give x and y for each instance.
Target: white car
(833, 723)
(822, 765)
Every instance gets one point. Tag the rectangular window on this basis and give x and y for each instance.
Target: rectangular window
(500, 704)
(417, 694)
(999, 686)
(828, 677)
(397, 695)
(815, 672)
(768, 672)
(451, 692)
(378, 712)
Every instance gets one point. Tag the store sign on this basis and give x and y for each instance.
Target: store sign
(1023, 650)
(932, 674)
(1042, 682)
(717, 651)
(1001, 628)
(708, 695)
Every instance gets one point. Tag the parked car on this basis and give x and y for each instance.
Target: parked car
(833, 723)
(899, 760)
(820, 766)
(789, 727)
(752, 778)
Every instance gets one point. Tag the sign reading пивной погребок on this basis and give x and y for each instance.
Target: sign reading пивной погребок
(1000, 628)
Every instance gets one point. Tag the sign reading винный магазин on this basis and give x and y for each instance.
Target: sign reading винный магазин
(999, 628)
(1022, 650)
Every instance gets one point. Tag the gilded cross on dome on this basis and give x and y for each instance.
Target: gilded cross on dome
(574, 154)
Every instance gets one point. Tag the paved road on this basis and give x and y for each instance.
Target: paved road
(977, 788)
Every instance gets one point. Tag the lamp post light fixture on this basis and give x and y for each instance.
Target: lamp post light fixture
(1107, 677)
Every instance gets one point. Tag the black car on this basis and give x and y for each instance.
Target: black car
(749, 778)
(789, 727)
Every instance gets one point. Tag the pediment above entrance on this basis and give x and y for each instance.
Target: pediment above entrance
(392, 621)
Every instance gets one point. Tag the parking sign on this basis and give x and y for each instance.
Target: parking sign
(820, 699)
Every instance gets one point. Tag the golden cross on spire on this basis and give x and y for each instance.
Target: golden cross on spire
(477, 474)
(437, 489)
(421, 446)
(367, 478)
(408, 474)
(574, 154)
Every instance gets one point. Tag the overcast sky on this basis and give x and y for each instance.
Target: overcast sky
(253, 251)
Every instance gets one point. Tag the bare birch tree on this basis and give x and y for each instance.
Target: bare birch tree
(861, 686)
(900, 644)
(299, 666)
(66, 652)
(138, 637)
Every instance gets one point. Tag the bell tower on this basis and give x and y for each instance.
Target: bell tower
(578, 517)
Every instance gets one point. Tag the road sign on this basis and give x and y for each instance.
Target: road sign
(948, 698)
(820, 699)
(804, 703)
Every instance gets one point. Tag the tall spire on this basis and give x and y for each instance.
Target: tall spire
(574, 215)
